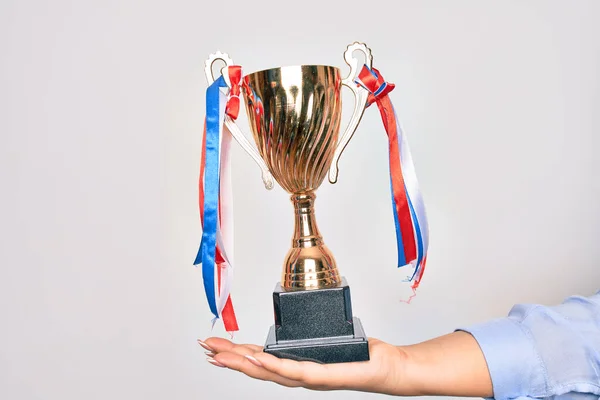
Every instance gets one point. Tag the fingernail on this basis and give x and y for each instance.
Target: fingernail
(204, 345)
(215, 362)
(254, 361)
(209, 354)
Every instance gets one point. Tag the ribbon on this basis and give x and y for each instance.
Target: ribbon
(215, 199)
(233, 103)
(412, 229)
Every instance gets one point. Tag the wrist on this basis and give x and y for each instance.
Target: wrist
(399, 375)
(451, 365)
(414, 381)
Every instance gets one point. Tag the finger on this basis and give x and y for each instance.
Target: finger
(253, 348)
(243, 350)
(218, 345)
(302, 371)
(241, 363)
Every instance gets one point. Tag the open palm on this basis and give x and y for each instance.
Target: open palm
(380, 374)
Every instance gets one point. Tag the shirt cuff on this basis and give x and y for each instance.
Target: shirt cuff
(514, 364)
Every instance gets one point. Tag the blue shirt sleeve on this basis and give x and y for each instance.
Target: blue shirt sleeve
(544, 352)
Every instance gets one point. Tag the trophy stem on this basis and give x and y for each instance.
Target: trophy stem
(309, 264)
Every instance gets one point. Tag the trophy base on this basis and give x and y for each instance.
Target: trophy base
(323, 350)
(316, 325)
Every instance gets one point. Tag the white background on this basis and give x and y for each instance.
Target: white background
(101, 110)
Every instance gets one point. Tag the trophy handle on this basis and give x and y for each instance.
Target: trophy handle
(232, 126)
(361, 96)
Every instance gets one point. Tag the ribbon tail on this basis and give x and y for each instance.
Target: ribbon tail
(215, 107)
(416, 205)
(405, 232)
(229, 318)
(225, 234)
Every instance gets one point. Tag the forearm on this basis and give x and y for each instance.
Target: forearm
(451, 365)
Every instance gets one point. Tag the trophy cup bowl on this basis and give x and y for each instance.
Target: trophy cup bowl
(294, 114)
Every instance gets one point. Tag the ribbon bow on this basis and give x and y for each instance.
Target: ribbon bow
(412, 230)
(233, 102)
(372, 80)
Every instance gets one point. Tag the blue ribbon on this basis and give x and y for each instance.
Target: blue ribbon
(207, 250)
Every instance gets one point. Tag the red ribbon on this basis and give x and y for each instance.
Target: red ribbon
(233, 103)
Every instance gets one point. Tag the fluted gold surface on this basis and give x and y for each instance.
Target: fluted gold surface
(294, 114)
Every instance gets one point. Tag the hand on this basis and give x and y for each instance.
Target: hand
(383, 373)
(450, 365)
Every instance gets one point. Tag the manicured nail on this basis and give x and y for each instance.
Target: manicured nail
(215, 362)
(204, 345)
(209, 354)
(254, 361)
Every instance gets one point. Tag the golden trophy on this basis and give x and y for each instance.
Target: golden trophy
(294, 113)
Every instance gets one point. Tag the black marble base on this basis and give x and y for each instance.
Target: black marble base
(316, 325)
(324, 350)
